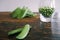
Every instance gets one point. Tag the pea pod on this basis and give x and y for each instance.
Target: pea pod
(14, 31)
(24, 32)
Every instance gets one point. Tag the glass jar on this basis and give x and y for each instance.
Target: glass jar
(46, 3)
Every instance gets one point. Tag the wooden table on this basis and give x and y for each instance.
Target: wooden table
(39, 30)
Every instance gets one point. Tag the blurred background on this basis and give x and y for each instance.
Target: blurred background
(9, 5)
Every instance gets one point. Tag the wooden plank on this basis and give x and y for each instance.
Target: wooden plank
(36, 33)
(5, 16)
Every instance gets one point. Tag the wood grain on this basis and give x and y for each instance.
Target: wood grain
(39, 30)
(5, 16)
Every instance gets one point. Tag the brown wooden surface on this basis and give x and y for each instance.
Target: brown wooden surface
(4, 16)
(39, 30)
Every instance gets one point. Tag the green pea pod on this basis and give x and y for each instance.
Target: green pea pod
(14, 31)
(24, 32)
